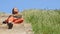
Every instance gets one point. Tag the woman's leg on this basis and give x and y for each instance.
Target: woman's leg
(10, 25)
(18, 21)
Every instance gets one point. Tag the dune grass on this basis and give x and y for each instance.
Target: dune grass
(43, 21)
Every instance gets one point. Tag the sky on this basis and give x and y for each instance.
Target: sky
(7, 5)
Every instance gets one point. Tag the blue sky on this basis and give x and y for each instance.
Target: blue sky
(7, 5)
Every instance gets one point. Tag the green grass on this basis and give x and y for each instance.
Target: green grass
(43, 21)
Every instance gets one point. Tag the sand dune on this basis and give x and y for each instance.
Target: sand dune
(23, 28)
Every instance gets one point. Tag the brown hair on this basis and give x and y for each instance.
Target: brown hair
(13, 11)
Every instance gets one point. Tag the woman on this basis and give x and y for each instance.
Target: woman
(15, 18)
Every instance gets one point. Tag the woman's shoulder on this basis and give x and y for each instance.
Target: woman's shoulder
(10, 15)
(19, 14)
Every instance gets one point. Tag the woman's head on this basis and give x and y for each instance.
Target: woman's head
(15, 11)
